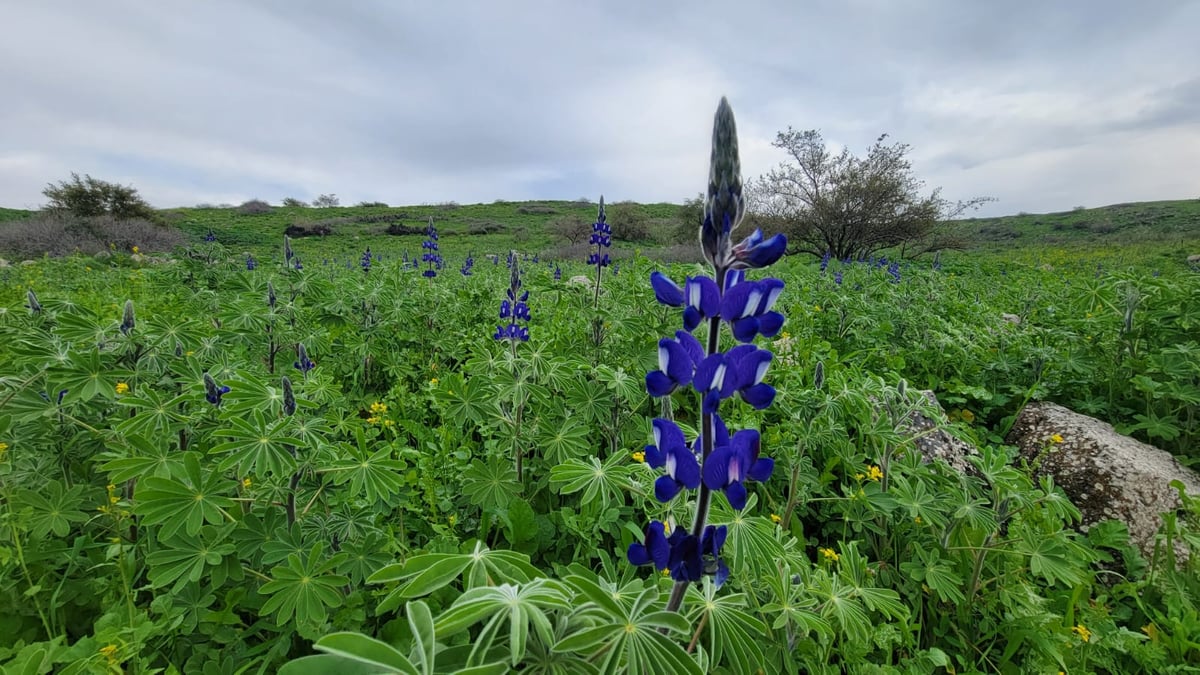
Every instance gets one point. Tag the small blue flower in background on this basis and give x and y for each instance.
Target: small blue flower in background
(212, 392)
(601, 238)
(298, 265)
(302, 362)
(251, 263)
(431, 256)
(31, 301)
(210, 237)
(365, 260)
(127, 319)
(287, 249)
(557, 273)
(825, 260)
(615, 269)
(894, 270)
(514, 309)
(837, 277)
(468, 264)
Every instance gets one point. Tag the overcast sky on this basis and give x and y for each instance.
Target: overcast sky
(1043, 105)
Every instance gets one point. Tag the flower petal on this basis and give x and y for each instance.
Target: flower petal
(687, 469)
(665, 489)
(761, 470)
(666, 291)
(716, 468)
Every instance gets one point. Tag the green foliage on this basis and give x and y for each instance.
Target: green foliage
(382, 523)
(88, 197)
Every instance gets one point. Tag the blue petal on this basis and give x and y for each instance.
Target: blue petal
(707, 372)
(762, 469)
(691, 345)
(691, 318)
(666, 291)
(745, 330)
(716, 468)
(637, 554)
(760, 396)
(675, 361)
(711, 403)
(771, 289)
(736, 302)
(654, 457)
(657, 383)
(722, 574)
(667, 434)
(665, 489)
(770, 323)
(687, 469)
(736, 494)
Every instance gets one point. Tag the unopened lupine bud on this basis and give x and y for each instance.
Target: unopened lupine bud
(289, 397)
(819, 375)
(32, 302)
(127, 320)
(270, 295)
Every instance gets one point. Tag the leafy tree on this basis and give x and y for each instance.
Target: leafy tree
(293, 202)
(628, 221)
(89, 197)
(853, 206)
(325, 201)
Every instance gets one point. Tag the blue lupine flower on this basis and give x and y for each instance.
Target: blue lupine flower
(615, 269)
(731, 464)
(670, 452)
(557, 273)
(825, 260)
(683, 555)
(430, 246)
(837, 277)
(700, 295)
(365, 260)
(210, 237)
(251, 263)
(747, 306)
(748, 365)
(302, 362)
(677, 361)
(894, 270)
(601, 238)
(287, 250)
(298, 265)
(515, 310)
(467, 265)
(212, 392)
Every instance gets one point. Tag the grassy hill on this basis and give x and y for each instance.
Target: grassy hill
(1175, 221)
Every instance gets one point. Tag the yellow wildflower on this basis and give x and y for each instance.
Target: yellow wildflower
(918, 520)
(246, 482)
(873, 473)
(1083, 633)
(378, 408)
(967, 416)
(452, 519)
(1151, 630)
(389, 423)
(639, 456)
(3, 448)
(817, 308)
(110, 651)
(189, 353)
(372, 420)
(135, 249)
(433, 381)
(776, 518)
(1056, 438)
(829, 554)
(859, 476)
(122, 388)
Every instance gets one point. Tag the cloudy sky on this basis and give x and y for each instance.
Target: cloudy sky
(1043, 106)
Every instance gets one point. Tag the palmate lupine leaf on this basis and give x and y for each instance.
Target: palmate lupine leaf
(142, 458)
(753, 544)
(732, 634)
(155, 413)
(588, 400)
(372, 476)
(186, 503)
(52, 509)
(491, 484)
(561, 440)
(426, 573)
(522, 606)
(607, 481)
(183, 559)
(627, 637)
(304, 588)
(466, 399)
(258, 446)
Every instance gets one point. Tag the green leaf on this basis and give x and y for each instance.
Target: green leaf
(303, 588)
(367, 650)
(492, 484)
(257, 447)
(420, 622)
(53, 509)
(183, 504)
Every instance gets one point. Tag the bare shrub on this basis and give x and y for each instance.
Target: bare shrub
(297, 230)
(292, 202)
(326, 201)
(254, 207)
(60, 234)
(485, 227)
(373, 205)
(536, 210)
(448, 206)
(400, 229)
(571, 228)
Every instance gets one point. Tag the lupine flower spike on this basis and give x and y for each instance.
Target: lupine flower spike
(127, 320)
(514, 309)
(31, 301)
(212, 392)
(717, 461)
(430, 245)
(601, 238)
(303, 363)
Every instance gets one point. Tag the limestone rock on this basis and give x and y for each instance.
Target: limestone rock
(1011, 318)
(1106, 475)
(931, 439)
(582, 280)
(1194, 259)
(4, 263)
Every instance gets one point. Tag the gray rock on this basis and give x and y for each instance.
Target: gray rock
(1106, 475)
(4, 263)
(582, 280)
(1194, 259)
(929, 435)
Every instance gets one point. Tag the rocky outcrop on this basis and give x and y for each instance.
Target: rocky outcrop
(1106, 475)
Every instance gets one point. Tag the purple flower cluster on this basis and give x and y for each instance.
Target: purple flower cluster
(601, 238)
(431, 256)
(514, 309)
(716, 460)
